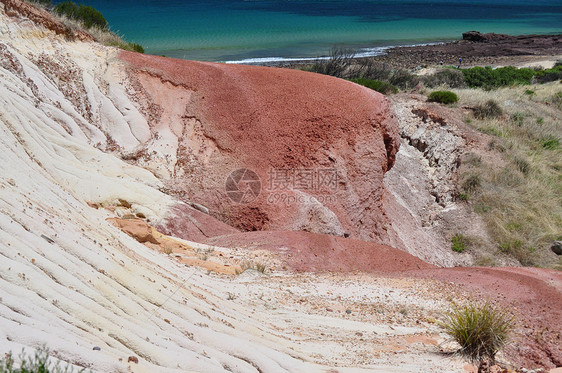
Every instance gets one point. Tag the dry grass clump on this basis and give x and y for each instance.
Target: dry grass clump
(480, 330)
(489, 109)
(102, 36)
(451, 78)
(342, 64)
(519, 185)
(247, 264)
(112, 39)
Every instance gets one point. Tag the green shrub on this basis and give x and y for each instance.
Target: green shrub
(549, 75)
(443, 97)
(459, 243)
(480, 330)
(488, 78)
(383, 87)
(67, 8)
(449, 77)
(137, 47)
(89, 16)
(491, 109)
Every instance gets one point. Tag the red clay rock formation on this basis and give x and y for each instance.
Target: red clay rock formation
(267, 120)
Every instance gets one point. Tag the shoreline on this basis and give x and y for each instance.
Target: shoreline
(364, 52)
(475, 49)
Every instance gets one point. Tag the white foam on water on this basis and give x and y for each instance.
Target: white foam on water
(360, 53)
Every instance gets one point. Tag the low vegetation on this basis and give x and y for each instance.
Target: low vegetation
(489, 78)
(260, 267)
(36, 363)
(343, 64)
(443, 97)
(480, 330)
(489, 109)
(83, 17)
(452, 78)
(376, 85)
(517, 187)
(338, 64)
(85, 14)
(459, 243)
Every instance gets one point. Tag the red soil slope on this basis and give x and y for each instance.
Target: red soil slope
(320, 252)
(535, 297)
(268, 119)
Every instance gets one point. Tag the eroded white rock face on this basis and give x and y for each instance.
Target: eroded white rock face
(422, 201)
(57, 101)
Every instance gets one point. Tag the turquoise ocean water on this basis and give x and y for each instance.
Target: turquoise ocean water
(263, 30)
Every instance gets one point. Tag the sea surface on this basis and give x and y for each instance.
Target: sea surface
(275, 30)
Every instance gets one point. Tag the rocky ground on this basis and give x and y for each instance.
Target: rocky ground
(476, 49)
(121, 252)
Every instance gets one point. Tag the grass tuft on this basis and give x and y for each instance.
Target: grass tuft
(260, 267)
(459, 243)
(480, 330)
(490, 109)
